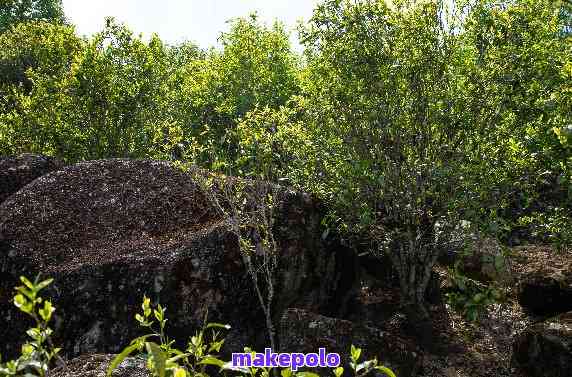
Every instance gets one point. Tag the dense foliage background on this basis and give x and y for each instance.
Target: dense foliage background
(406, 117)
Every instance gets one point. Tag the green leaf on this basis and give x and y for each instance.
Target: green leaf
(22, 303)
(27, 282)
(385, 370)
(31, 295)
(338, 371)
(119, 358)
(355, 353)
(218, 325)
(159, 359)
(46, 311)
(211, 360)
(44, 284)
(34, 333)
(180, 356)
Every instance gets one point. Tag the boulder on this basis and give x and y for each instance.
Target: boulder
(546, 292)
(545, 349)
(17, 172)
(110, 231)
(304, 331)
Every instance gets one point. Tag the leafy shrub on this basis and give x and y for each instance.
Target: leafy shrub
(552, 226)
(36, 354)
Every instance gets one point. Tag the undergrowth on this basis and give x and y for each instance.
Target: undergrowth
(201, 358)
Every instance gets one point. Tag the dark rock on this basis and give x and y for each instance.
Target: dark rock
(546, 293)
(545, 349)
(97, 365)
(304, 331)
(111, 231)
(17, 172)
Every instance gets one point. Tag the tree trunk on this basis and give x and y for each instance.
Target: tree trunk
(414, 259)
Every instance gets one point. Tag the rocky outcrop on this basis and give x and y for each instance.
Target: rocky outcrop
(546, 293)
(304, 331)
(111, 231)
(545, 349)
(17, 172)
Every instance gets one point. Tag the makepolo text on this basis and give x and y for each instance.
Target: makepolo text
(269, 359)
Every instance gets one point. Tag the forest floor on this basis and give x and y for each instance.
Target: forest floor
(484, 348)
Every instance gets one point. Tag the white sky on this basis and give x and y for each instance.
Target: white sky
(200, 21)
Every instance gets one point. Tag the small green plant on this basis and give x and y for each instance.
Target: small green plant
(36, 354)
(469, 296)
(163, 360)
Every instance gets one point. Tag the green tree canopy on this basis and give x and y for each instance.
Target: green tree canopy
(15, 11)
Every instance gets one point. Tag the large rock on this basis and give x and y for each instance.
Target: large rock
(545, 349)
(304, 331)
(546, 293)
(111, 231)
(17, 172)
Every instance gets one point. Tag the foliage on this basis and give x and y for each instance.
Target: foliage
(165, 360)
(403, 116)
(387, 120)
(107, 104)
(249, 211)
(40, 46)
(162, 358)
(255, 69)
(551, 226)
(36, 354)
(517, 91)
(13, 12)
(469, 296)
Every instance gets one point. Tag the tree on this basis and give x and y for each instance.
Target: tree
(40, 46)
(13, 12)
(112, 101)
(518, 95)
(387, 121)
(28, 50)
(255, 68)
